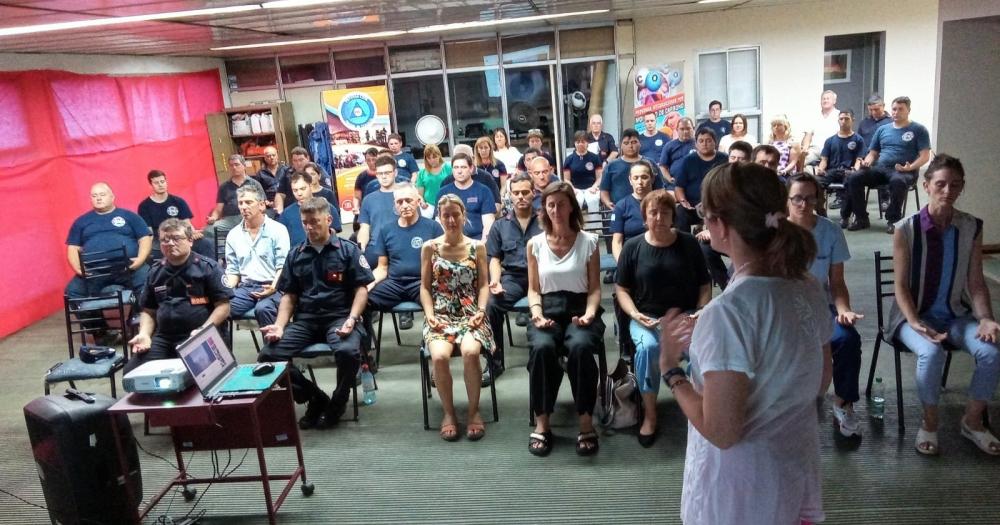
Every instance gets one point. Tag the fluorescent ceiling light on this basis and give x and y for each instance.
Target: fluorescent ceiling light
(98, 22)
(382, 34)
(713, 1)
(285, 4)
(502, 21)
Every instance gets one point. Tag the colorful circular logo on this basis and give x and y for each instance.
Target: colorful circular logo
(356, 110)
(416, 243)
(118, 222)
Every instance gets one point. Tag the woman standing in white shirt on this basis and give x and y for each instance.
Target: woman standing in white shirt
(564, 296)
(758, 357)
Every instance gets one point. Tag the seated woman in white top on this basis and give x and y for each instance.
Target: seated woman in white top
(564, 296)
(505, 152)
(739, 133)
(759, 357)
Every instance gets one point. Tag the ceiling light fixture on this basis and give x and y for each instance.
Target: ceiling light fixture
(381, 34)
(501, 21)
(713, 1)
(98, 22)
(286, 4)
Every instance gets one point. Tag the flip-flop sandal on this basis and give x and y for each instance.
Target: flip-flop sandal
(476, 431)
(983, 439)
(587, 443)
(449, 432)
(540, 438)
(927, 442)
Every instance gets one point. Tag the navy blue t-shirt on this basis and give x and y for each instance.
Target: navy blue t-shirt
(402, 246)
(692, 171)
(615, 179)
(899, 145)
(605, 144)
(95, 232)
(627, 218)
(673, 152)
(841, 152)
(650, 147)
(406, 165)
(868, 126)
(285, 184)
(377, 208)
(497, 170)
(481, 176)
(721, 128)
(478, 200)
(291, 219)
(582, 170)
(227, 196)
(373, 185)
(361, 183)
(154, 213)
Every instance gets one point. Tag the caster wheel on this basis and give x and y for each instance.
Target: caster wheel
(308, 489)
(189, 493)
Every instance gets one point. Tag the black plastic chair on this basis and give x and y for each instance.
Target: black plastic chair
(906, 198)
(884, 283)
(85, 323)
(321, 355)
(427, 388)
(404, 307)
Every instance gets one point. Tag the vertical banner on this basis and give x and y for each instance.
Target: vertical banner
(660, 89)
(358, 120)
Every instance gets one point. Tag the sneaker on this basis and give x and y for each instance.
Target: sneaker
(837, 203)
(859, 224)
(405, 320)
(314, 411)
(847, 420)
(844, 224)
(609, 278)
(522, 319)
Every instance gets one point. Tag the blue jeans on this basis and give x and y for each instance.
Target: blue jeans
(265, 310)
(845, 346)
(931, 356)
(647, 357)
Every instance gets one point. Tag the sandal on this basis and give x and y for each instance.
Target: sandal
(983, 439)
(449, 432)
(540, 443)
(475, 432)
(587, 443)
(927, 442)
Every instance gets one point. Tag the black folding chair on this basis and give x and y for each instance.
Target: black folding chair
(84, 322)
(427, 388)
(321, 355)
(404, 307)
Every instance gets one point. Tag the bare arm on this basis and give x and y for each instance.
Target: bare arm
(73, 256)
(279, 202)
(216, 213)
(219, 313)
(823, 162)
(534, 294)
(426, 275)
(870, 158)
(495, 270)
(598, 175)
(286, 307)
(617, 241)
(566, 176)
(364, 235)
(145, 246)
(380, 272)
(681, 197)
(841, 296)
(594, 283)
(719, 412)
(606, 199)
(488, 219)
(666, 173)
(989, 330)
(807, 140)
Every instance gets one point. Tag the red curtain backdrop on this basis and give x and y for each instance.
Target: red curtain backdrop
(62, 132)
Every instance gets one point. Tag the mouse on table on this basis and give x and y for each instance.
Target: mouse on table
(262, 369)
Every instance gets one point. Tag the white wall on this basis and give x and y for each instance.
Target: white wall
(791, 48)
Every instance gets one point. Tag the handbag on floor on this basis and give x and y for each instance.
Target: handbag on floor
(620, 404)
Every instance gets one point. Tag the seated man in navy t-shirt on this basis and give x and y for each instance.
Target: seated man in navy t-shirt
(675, 150)
(378, 207)
(894, 157)
(160, 206)
(396, 247)
(478, 174)
(480, 207)
(106, 227)
(291, 218)
(406, 165)
(615, 184)
(841, 153)
(300, 159)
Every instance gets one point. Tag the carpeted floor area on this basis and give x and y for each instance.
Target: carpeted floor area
(386, 469)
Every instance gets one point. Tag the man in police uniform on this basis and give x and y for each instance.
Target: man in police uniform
(184, 293)
(505, 248)
(325, 286)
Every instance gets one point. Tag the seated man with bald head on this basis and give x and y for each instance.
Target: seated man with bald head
(106, 227)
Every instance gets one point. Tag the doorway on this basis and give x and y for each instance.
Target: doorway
(853, 68)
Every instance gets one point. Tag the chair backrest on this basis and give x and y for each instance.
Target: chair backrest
(107, 265)
(884, 285)
(220, 246)
(87, 316)
(599, 223)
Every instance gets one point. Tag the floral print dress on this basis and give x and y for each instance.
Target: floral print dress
(455, 295)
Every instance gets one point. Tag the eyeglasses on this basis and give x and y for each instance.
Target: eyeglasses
(799, 200)
(173, 239)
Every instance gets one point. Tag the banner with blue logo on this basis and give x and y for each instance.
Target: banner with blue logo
(358, 120)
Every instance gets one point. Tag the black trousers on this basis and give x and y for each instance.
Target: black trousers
(684, 220)
(162, 346)
(515, 287)
(578, 344)
(856, 183)
(302, 333)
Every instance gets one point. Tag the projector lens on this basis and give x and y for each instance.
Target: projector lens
(163, 382)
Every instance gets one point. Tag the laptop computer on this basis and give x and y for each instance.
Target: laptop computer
(215, 371)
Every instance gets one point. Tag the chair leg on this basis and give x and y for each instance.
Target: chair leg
(114, 388)
(378, 340)
(871, 370)
(947, 366)
(256, 344)
(312, 375)
(899, 393)
(355, 396)
(510, 333)
(493, 386)
(145, 424)
(395, 328)
(46, 385)
(425, 388)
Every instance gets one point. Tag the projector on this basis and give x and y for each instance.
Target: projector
(161, 376)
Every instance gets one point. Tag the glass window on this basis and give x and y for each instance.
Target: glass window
(249, 74)
(471, 53)
(712, 83)
(359, 63)
(732, 77)
(592, 41)
(475, 104)
(743, 82)
(529, 105)
(305, 68)
(589, 88)
(528, 48)
(415, 98)
(422, 58)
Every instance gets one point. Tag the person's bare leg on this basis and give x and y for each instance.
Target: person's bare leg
(441, 358)
(473, 376)
(930, 423)
(974, 415)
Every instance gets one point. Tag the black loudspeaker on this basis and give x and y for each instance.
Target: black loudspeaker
(77, 461)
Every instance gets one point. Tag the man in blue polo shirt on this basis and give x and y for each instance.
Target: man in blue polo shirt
(720, 127)
(652, 140)
(675, 150)
(405, 163)
(378, 207)
(106, 227)
(615, 184)
(291, 218)
(894, 157)
(396, 247)
(480, 208)
(505, 248)
(841, 154)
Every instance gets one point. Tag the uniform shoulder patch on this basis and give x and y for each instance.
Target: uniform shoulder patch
(363, 262)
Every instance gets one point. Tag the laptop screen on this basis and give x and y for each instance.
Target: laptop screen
(207, 358)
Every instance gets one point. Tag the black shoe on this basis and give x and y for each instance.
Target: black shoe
(837, 203)
(890, 229)
(609, 278)
(844, 224)
(883, 205)
(405, 321)
(647, 440)
(489, 377)
(314, 411)
(521, 319)
(331, 416)
(859, 224)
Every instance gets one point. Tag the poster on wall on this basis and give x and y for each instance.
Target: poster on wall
(358, 120)
(659, 89)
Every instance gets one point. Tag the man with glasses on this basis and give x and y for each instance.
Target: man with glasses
(505, 248)
(720, 127)
(183, 293)
(396, 247)
(378, 207)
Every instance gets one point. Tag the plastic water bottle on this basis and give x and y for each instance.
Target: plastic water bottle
(878, 399)
(368, 385)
